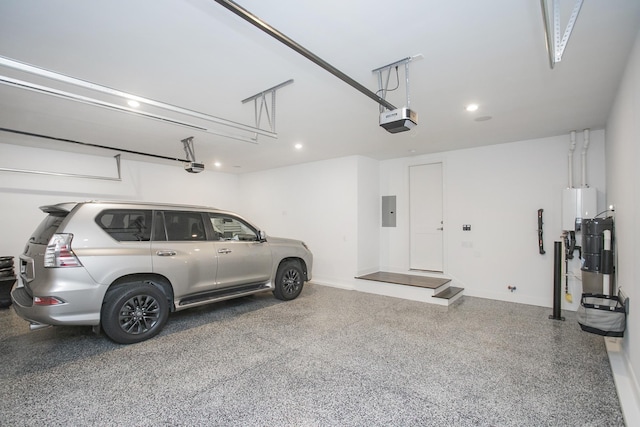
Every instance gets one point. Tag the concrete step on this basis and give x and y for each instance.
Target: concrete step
(450, 294)
(415, 287)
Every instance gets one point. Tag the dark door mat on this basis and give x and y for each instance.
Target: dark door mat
(405, 279)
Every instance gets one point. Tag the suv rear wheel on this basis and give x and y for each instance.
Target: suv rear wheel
(289, 280)
(134, 312)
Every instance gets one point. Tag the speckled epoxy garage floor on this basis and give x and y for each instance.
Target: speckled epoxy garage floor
(330, 357)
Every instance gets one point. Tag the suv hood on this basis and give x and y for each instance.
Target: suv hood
(272, 239)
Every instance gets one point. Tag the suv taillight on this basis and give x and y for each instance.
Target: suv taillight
(59, 253)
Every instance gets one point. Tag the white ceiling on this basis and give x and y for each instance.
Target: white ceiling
(197, 55)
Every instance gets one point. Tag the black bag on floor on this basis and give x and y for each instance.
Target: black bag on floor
(602, 314)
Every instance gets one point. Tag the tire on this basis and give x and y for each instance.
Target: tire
(134, 312)
(7, 272)
(289, 281)
(5, 263)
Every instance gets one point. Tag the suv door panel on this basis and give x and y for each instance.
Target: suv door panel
(190, 265)
(242, 258)
(242, 263)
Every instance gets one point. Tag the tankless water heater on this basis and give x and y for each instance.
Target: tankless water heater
(578, 204)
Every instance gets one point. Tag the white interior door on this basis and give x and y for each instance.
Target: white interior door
(425, 213)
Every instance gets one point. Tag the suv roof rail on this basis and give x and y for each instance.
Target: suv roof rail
(136, 202)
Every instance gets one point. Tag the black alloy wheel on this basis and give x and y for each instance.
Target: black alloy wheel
(134, 312)
(289, 281)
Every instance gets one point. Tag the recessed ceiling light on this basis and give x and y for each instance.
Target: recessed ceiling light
(298, 146)
(471, 107)
(217, 164)
(133, 103)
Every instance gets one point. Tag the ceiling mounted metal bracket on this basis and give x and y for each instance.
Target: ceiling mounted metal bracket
(188, 149)
(262, 97)
(556, 43)
(384, 88)
(191, 166)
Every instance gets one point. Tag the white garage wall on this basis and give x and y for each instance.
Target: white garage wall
(314, 202)
(369, 216)
(498, 190)
(334, 206)
(623, 176)
(22, 194)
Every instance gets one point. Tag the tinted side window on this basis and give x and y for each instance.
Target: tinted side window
(183, 226)
(126, 225)
(230, 228)
(47, 228)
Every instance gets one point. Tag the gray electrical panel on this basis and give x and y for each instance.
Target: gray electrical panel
(388, 211)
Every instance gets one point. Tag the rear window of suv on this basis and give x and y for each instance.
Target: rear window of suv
(126, 225)
(47, 228)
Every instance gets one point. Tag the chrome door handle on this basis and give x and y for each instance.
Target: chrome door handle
(166, 253)
(224, 251)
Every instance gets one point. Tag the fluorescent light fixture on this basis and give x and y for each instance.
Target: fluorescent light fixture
(133, 103)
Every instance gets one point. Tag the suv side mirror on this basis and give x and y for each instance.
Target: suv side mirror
(262, 236)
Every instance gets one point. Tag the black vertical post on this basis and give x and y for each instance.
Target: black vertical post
(557, 281)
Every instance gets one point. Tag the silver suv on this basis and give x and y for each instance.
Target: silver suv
(123, 266)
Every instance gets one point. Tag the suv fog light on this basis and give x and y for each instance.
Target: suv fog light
(47, 301)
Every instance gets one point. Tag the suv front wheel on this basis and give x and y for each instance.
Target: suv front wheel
(134, 312)
(289, 281)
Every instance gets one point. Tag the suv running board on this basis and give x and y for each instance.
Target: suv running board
(223, 294)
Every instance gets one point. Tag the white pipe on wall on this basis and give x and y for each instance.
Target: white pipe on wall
(572, 147)
(585, 147)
